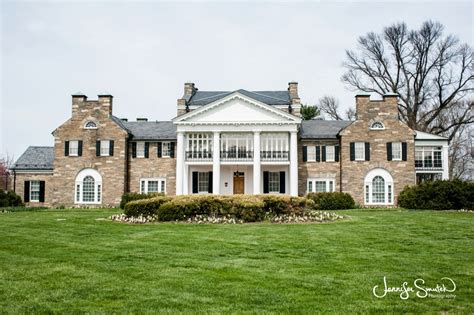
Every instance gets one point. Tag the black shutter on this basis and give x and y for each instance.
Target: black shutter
(352, 151)
(195, 182)
(367, 151)
(66, 148)
(79, 148)
(171, 149)
(305, 153)
(147, 150)
(97, 148)
(111, 148)
(389, 151)
(404, 151)
(158, 149)
(318, 153)
(134, 149)
(41, 192)
(210, 183)
(323, 155)
(265, 183)
(282, 182)
(26, 192)
(336, 153)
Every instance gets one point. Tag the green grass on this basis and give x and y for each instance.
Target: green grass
(68, 261)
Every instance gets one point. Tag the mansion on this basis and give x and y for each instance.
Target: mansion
(229, 142)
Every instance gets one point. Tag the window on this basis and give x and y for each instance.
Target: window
(378, 185)
(73, 148)
(165, 149)
(88, 187)
(367, 194)
(311, 153)
(377, 125)
(203, 182)
(428, 157)
(34, 191)
(396, 151)
(330, 154)
(152, 185)
(199, 146)
(378, 190)
(359, 151)
(321, 185)
(140, 149)
(273, 182)
(389, 193)
(90, 125)
(274, 146)
(104, 148)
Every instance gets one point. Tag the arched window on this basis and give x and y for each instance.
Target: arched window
(88, 187)
(377, 125)
(90, 125)
(378, 187)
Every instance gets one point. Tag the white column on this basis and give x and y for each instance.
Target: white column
(256, 163)
(445, 157)
(185, 179)
(180, 163)
(293, 164)
(216, 164)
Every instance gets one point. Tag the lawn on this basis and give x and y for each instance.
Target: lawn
(74, 261)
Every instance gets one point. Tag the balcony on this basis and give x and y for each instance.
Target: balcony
(198, 156)
(274, 155)
(428, 165)
(237, 155)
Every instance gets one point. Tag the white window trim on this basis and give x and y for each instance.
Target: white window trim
(108, 147)
(311, 148)
(377, 122)
(140, 153)
(90, 121)
(400, 147)
(278, 185)
(163, 145)
(146, 180)
(97, 186)
(31, 190)
(321, 179)
(388, 181)
(333, 153)
(207, 179)
(70, 153)
(363, 151)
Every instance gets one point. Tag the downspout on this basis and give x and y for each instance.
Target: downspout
(340, 163)
(127, 164)
(14, 181)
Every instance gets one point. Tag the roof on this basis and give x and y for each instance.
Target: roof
(200, 98)
(322, 129)
(151, 130)
(36, 158)
(420, 135)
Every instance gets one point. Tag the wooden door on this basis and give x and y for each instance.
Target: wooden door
(238, 185)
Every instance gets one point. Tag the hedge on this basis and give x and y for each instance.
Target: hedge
(127, 197)
(332, 200)
(145, 207)
(438, 195)
(10, 199)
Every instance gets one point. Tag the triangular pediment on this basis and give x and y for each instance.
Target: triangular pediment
(237, 108)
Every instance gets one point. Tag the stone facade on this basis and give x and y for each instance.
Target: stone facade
(22, 177)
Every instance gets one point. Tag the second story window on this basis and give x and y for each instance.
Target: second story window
(166, 149)
(140, 149)
(104, 148)
(330, 155)
(396, 151)
(311, 153)
(359, 151)
(73, 148)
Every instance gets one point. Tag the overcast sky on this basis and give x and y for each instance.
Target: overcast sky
(142, 53)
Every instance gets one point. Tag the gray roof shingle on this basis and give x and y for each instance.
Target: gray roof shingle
(36, 158)
(151, 130)
(201, 98)
(322, 129)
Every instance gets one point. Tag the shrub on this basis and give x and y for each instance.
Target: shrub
(127, 197)
(278, 205)
(10, 199)
(332, 200)
(438, 195)
(145, 207)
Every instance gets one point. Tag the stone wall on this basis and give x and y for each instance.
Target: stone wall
(21, 178)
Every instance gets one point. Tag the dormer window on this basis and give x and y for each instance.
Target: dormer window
(377, 125)
(90, 125)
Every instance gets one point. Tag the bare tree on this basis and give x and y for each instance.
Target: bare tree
(431, 72)
(460, 159)
(330, 106)
(6, 163)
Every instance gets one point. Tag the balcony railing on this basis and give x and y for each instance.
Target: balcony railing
(274, 155)
(237, 155)
(428, 165)
(199, 155)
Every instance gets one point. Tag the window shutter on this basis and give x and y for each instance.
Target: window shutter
(147, 150)
(265, 183)
(352, 151)
(318, 153)
(389, 151)
(66, 148)
(336, 153)
(26, 192)
(111, 148)
(159, 147)
(97, 148)
(79, 148)
(210, 183)
(305, 153)
(367, 151)
(41, 192)
(323, 155)
(282, 182)
(195, 182)
(404, 151)
(134, 149)
(171, 149)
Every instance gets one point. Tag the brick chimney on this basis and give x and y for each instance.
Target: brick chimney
(367, 109)
(189, 91)
(77, 99)
(105, 100)
(293, 89)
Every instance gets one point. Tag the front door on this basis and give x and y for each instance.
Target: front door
(238, 184)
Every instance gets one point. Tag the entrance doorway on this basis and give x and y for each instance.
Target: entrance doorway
(239, 180)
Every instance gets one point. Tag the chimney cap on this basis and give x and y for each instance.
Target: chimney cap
(362, 94)
(105, 94)
(293, 82)
(390, 94)
(78, 94)
(142, 119)
(124, 119)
